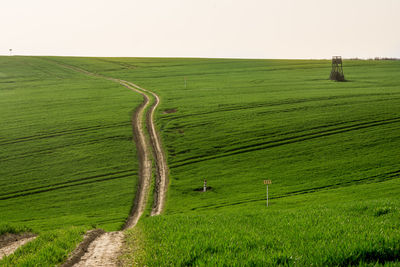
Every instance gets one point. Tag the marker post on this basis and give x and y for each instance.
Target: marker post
(267, 182)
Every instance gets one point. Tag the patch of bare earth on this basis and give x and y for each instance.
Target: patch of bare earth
(103, 251)
(83, 247)
(168, 111)
(11, 242)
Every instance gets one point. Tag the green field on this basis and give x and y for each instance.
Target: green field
(331, 149)
(67, 156)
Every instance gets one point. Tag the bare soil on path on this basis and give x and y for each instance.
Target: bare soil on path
(161, 163)
(103, 251)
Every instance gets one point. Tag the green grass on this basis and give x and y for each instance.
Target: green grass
(349, 230)
(66, 150)
(13, 229)
(331, 150)
(48, 249)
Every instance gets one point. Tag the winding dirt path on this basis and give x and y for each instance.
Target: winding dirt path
(161, 163)
(145, 162)
(104, 250)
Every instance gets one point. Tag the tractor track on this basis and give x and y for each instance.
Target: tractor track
(287, 140)
(83, 181)
(161, 163)
(40, 136)
(18, 193)
(105, 248)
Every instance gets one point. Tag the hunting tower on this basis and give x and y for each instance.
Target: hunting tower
(337, 69)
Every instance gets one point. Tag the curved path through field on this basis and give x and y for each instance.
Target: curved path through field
(161, 163)
(104, 250)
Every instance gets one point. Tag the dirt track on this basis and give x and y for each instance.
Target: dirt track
(161, 163)
(104, 250)
(145, 163)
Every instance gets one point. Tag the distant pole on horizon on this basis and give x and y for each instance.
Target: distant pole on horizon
(10, 51)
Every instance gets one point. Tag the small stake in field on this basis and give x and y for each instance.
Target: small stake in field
(185, 82)
(267, 182)
(205, 186)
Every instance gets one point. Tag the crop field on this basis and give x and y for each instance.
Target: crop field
(67, 157)
(332, 151)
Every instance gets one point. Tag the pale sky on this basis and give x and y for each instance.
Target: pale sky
(201, 28)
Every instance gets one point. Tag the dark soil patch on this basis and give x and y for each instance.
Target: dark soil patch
(168, 111)
(7, 239)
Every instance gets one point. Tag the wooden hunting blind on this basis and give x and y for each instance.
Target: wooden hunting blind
(337, 69)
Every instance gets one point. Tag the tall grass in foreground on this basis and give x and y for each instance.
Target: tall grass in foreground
(342, 234)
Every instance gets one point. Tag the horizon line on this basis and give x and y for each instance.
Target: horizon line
(195, 57)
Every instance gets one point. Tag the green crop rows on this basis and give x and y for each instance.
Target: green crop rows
(331, 150)
(67, 156)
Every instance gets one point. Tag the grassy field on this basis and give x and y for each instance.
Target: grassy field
(67, 157)
(331, 150)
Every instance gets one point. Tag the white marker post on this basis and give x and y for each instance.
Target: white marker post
(267, 182)
(205, 186)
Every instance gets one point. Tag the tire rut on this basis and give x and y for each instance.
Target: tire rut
(286, 141)
(77, 180)
(59, 133)
(160, 159)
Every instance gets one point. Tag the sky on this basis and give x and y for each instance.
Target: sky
(201, 28)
